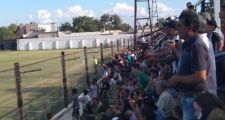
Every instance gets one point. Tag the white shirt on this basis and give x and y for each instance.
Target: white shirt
(166, 103)
(84, 99)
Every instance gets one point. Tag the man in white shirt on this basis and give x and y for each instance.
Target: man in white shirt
(83, 99)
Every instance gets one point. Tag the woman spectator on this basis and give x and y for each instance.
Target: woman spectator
(166, 102)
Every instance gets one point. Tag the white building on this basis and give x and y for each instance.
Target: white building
(74, 40)
(51, 27)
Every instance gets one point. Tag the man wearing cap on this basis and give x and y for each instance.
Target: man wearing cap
(169, 45)
(216, 36)
(190, 6)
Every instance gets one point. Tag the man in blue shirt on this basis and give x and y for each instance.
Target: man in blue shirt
(194, 62)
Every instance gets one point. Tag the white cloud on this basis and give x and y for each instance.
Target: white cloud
(44, 16)
(123, 9)
(127, 11)
(142, 11)
(77, 10)
(62, 15)
(111, 3)
(30, 17)
(59, 13)
(165, 11)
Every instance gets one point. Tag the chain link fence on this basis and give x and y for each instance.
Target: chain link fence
(30, 91)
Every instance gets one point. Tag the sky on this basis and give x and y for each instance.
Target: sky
(59, 11)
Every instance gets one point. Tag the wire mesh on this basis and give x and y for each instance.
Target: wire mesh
(41, 79)
(7, 93)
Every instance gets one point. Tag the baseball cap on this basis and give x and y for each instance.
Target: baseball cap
(171, 22)
(189, 5)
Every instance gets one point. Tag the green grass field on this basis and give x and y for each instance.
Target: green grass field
(44, 85)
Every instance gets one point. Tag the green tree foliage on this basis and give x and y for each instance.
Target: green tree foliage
(210, 9)
(159, 23)
(222, 2)
(66, 27)
(12, 28)
(111, 21)
(125, 27)
(89, 24)
(105, 18)
(116, 21)
(8, 32)
(85, 24)
(105, 21)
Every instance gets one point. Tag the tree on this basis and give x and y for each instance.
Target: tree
(6, 34)
(105, 21)
(85, 24)
(159, 23)
(111, 21)
(104, 18)
(116, 21)
(125, 27)
(66, 27)
(210, 9)
(12, 28)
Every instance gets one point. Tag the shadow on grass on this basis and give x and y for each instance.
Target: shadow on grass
(43, 100)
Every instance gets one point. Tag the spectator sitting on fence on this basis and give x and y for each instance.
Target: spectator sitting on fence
(215, 35)
(83, 101)
(89, 113)
(141, 78)
(104, 97)
(94, 91)
(75, 106)
(154, 73)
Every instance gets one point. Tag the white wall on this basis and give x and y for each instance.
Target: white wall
(65, 42)
(216, 12)
(46, 27)
(64, 114)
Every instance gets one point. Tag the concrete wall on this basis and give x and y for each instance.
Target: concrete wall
(72, 41)
(65, 114)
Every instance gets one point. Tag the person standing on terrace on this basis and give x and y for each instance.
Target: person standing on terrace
(194, 62)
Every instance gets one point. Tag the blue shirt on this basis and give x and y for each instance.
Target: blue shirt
(194, 57)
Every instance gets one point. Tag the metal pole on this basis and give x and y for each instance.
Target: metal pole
(117, 45)
(86, 66)
(150, 16)
(101, 51)
(203, 6)
(128, 43)
(18, 90)
(135, 22)
(124, 44)
(112, 49)
(64, 79)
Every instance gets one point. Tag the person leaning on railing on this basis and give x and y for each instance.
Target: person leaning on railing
(194, 63)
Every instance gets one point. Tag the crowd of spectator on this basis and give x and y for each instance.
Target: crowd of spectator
(170, 77)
